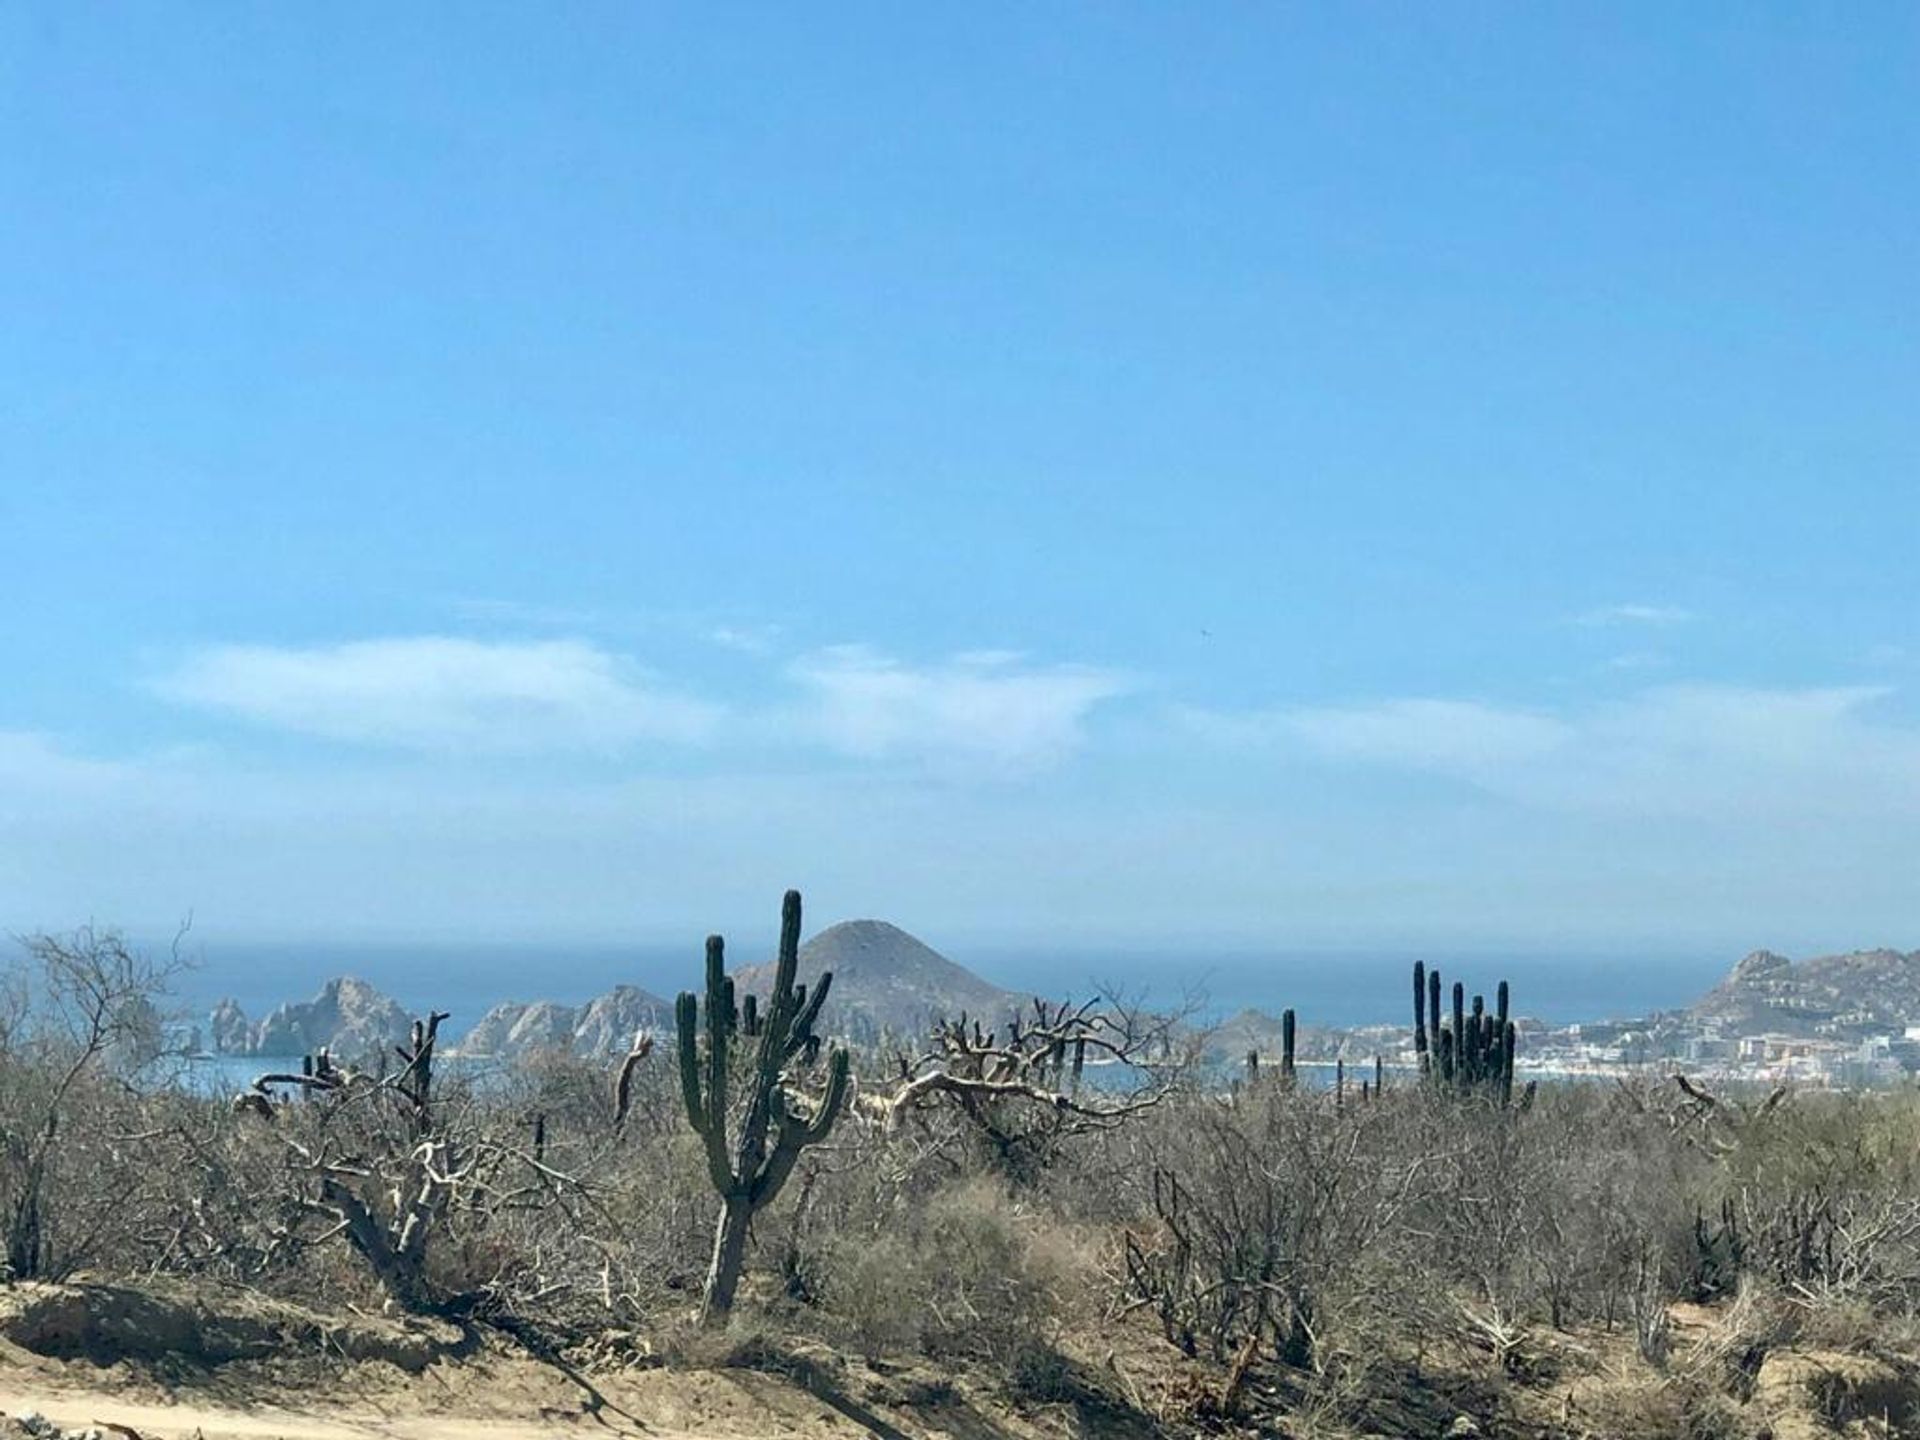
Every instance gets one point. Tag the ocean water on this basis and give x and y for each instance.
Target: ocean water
(1341, 988)
(1370, 987)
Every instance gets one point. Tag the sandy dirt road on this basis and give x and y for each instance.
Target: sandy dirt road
(722, 1411)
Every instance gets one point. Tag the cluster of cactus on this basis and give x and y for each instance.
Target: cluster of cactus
(1474, 1054)
(1287, 1027)
(1369, 1090)
(1065, 1063)
(749, 1168)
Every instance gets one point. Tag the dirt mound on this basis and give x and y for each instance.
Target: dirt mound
(108, 1323)
(1813, 1394)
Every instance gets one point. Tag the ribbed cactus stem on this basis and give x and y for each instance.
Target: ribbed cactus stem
(1420, 1013)
(1474, 1054)
(1512, 1034)
(1459, 1032)
(1477, 1038)
(1433, 1013)
(749, 1171)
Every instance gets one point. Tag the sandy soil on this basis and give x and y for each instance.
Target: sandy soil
(179, 1364)
(499, 1402)
(170, 1360)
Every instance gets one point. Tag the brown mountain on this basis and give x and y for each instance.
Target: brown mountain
(1860, 993)
(886, 980)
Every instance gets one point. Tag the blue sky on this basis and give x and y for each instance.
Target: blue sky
(1310, 475)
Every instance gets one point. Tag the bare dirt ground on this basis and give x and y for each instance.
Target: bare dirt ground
(229, 1365)
(672, 1407)
(172, 1363)
(474, 1399)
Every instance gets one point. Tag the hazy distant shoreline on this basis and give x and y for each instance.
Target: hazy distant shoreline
(1343, 989)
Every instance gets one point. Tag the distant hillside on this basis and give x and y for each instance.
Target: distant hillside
(1864, 992)
(1233, 1037)
(348, 1017)
(885, 979)
(604, 1026)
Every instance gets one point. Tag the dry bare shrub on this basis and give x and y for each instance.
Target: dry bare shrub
(1668, 1410)
(1822, 1198)
(1263, 1216)
(616, 1229)
(1727, 1356)
(1014, 1097)
(972, 1274)
(1578, 1210)
(79, 1015)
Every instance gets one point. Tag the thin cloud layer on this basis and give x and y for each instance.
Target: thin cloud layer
(439, 692)
(33, 763)
(1462, 738)
(982, 706)
(1636, 614)
(433, 693)
(1702, 751)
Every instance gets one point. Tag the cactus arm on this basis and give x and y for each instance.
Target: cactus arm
(1459, 1029)
(1433, 1018)
(839, 1077)
(1420, 1012)
(780, 1039)
(773, 1175)
(803, 1022)
(1506, 1061)
(685, 1023)
(796, 1132)
(719, 1028)
(786, 965)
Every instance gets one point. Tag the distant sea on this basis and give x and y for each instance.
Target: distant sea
(1372, 987)
(1342, 988)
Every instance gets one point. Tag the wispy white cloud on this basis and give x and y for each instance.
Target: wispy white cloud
(1704, 751)
(981, 706)
(31, 762)
(1638, 660)
(1454, 737)
(1635, 614)
(521, 613)
(746, 639)
(440, 693)
(443, 693)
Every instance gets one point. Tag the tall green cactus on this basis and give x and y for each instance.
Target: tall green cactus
(1420, 1015)
(1471, 1055)
(772, 1130)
